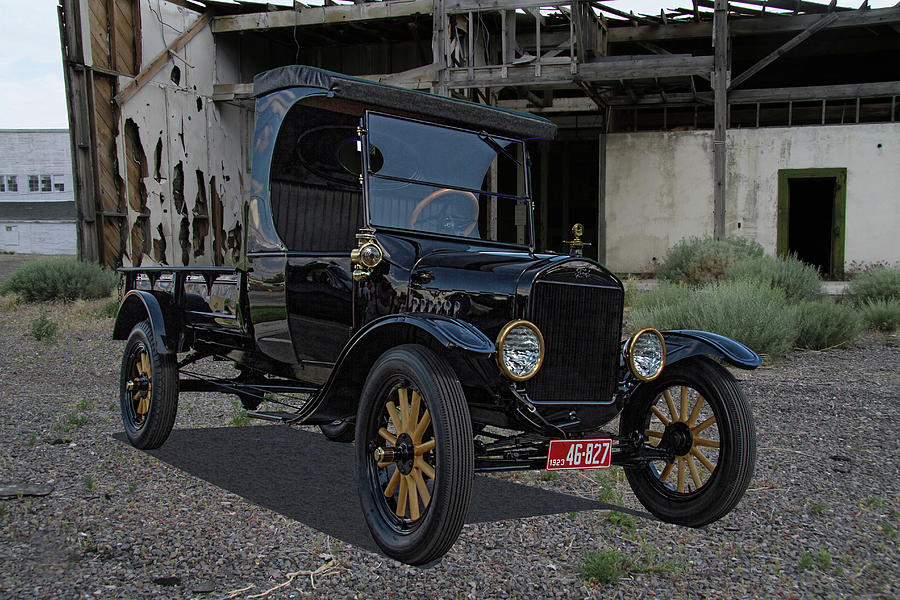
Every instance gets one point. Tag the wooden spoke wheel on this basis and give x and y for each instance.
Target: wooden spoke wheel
(696, 411)
(414, 454)
(148, 392)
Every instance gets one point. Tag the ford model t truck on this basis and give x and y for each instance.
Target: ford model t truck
(378, 298)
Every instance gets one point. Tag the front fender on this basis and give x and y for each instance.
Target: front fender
(142, 305)
(684, 343)
(465, 346)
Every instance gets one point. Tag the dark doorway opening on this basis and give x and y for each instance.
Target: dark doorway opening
(811, 217)
(565, 180)
(810, 220)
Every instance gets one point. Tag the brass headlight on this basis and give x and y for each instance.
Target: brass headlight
(520, 350)
(645, 354)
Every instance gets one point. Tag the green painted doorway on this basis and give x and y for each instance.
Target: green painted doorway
(811, 209)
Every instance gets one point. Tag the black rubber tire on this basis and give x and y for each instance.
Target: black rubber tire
(341, 430)
(153, 429)
(736, 455)
(428, 538)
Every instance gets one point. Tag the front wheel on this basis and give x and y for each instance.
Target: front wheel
(414, 454)
(148, 389)
(697, 411)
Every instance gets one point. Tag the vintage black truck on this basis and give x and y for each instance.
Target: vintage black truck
(389, 291)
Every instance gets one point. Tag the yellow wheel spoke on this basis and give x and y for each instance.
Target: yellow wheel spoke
(391, 487)
(671, 405)
(424, 447)
(401, 500)
(143, 405)
(384, 433)
(681, 462)
(145, 364)
(414, 410)
(652, 433)
(697, 429)
(413, 497)
(404, 407)
(696, 411)
(424, 467)
(395, 418)
(704, 442)
(421, 486)
(659, 415)
(694, 474)
(684, 404)
(665, 473)
(420, 429)
(705, 461)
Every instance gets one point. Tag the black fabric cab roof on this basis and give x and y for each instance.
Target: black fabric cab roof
(391, 98)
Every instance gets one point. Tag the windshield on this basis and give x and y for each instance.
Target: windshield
(446, 181)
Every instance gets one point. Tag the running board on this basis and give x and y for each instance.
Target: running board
(276, 416)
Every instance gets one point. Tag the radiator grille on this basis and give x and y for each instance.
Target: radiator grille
(582, 326)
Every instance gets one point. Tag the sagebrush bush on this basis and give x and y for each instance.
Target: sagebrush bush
(798, 280)
(664, 294)
(59, 279)
(825, 324)
(44, 329)
(758, 316)
(698, 261)
(881, 283)
(883, 315)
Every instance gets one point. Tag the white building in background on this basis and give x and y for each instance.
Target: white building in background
(37, 195)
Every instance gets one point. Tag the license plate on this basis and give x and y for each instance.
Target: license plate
(579, 454)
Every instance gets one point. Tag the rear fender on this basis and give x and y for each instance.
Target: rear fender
(155, 306)
(466, 348)
(681, 344)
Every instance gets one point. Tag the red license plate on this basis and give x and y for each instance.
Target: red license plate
(579, 454)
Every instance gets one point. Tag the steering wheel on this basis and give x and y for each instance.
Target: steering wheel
(444, 221)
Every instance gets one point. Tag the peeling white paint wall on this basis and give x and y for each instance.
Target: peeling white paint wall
(207, 142)
(659, 188)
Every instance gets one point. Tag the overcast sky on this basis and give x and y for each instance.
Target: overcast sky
(32, 94)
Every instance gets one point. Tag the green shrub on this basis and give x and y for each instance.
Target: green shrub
(604, 566)
(697, 261)
(44, 329)
(755, 315)
(9, 302)
(798, 280)
(825, 324)
(880, 283)
(883, 315)
(110, 308)
(664, 294)
(59, 279)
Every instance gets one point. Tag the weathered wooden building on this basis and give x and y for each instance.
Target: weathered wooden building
(771, 119)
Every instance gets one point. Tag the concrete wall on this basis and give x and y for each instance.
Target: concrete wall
(659, 188)
(25, 152)
(37, 237)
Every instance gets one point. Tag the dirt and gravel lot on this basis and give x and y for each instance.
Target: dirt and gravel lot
(229, 510)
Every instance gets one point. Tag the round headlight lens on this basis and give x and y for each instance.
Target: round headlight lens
(370, 255)
(646, 354)
(520, 350)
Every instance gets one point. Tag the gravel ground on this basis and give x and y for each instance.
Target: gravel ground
(819, 520)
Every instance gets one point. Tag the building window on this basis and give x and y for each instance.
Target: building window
(46, 186)
(2, 183)
(33, 183)
(59, 184)
(12, 183)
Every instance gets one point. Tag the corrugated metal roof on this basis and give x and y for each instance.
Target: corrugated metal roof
(37, 211)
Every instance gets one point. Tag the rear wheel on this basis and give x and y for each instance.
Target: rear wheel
(148, 389)
(340, 430)
(697, 411)
(414, 454)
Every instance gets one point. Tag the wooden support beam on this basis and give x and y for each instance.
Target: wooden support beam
(620, 13)
(760, 26)
(795, 5)
(818, 92)
(461, 6)
(720, 87)
(821, 24)
(317, 15)
(637, 67)
(162, 58)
